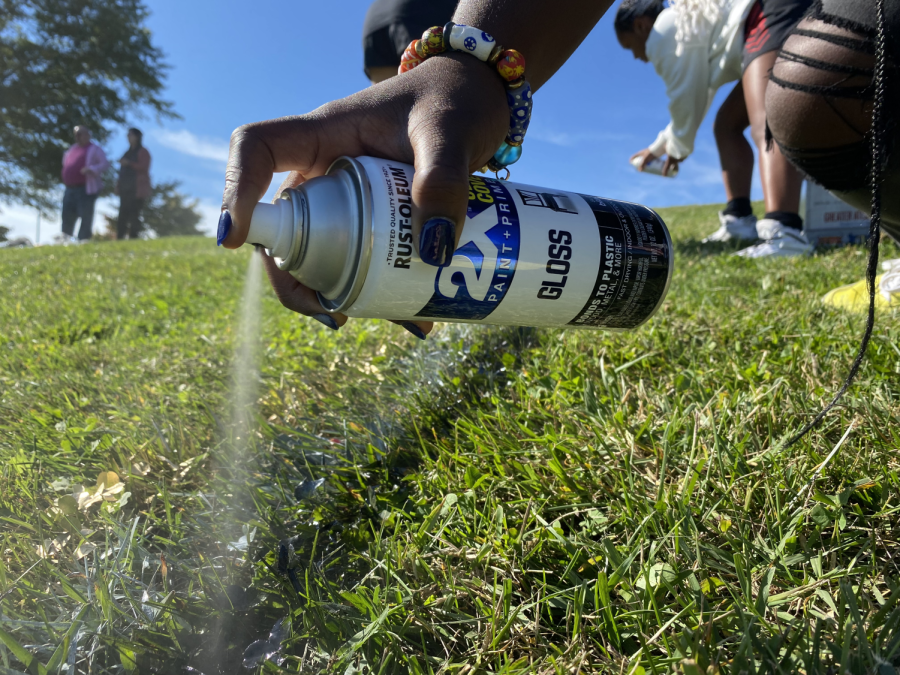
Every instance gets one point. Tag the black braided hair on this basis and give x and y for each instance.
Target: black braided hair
(876, 171)
(629, 10)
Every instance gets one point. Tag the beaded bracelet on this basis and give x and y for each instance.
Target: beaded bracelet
(509, 63)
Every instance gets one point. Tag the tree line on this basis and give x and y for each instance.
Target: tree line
(70, 62)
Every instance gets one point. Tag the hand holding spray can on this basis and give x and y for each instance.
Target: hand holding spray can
(528, 256)
(655, 166)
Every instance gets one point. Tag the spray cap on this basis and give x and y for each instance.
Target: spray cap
(272, 226)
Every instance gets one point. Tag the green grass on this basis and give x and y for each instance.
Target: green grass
(494, 500)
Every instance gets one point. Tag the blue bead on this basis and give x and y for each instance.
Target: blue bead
(507, 154)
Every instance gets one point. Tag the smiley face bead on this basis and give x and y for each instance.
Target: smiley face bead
(472, 41)
(511, 65)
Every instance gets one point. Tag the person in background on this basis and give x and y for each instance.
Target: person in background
(82, 174)
(391, 25)
(133, 186)
(697, 46)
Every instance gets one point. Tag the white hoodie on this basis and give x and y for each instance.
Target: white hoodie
(693, 70)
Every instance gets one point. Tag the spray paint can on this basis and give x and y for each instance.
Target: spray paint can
(655, 167)
(528, 256)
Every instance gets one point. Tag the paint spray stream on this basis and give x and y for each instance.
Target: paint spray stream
(236, 449)
(245, 368)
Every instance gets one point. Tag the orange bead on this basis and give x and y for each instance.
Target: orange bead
(511, 65)
(410, 58)
(433, 41)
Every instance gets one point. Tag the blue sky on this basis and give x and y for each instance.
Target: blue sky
(237, 62)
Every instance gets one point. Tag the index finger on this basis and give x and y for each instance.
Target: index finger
(303, 145)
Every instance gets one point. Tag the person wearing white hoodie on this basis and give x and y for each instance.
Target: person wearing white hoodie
(696, 47)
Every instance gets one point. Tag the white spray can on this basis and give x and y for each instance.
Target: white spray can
(655, 167)
(528, 256)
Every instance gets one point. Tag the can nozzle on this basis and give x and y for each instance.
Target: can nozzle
(272, 226)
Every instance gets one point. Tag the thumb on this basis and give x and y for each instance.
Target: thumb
(440, 194)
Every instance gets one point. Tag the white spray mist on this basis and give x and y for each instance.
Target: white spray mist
(245, 368)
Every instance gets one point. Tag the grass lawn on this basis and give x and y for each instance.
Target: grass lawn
(493, 500)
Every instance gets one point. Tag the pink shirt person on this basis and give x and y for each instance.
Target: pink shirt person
(73, 162)
(84, 164)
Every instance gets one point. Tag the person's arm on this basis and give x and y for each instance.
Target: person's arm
(97, 162)
(687, 86)
(546, 33)
(103, 162)
(447, 117)
(658, 147)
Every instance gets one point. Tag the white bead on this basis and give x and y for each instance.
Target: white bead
(472, 41)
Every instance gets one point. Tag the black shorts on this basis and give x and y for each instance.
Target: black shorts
(769, 24)
(391, 25)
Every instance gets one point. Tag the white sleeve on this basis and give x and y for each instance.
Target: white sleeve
(658, 147)
(687, 86)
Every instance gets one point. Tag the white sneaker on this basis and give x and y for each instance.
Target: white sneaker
(778, 240)
(63, 239)
(890, 280)
(732, 228)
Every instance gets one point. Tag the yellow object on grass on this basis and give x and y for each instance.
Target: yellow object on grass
(855, 297)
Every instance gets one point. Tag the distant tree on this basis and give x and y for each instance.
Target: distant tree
(63, 63)
(3, 232)
(168, 213)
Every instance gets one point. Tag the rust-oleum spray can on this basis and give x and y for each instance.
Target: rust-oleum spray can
(528, 256)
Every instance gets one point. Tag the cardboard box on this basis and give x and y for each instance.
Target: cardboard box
(831, 222)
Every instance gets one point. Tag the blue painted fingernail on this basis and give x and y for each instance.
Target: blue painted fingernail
(224, 227)
(436, 241)
(326, 320)
(414, 329)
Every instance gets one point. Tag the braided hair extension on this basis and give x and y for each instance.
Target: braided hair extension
(878, 155)
(693, 20)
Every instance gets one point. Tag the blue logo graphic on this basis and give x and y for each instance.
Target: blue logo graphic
(482, 269)
(470, 44)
